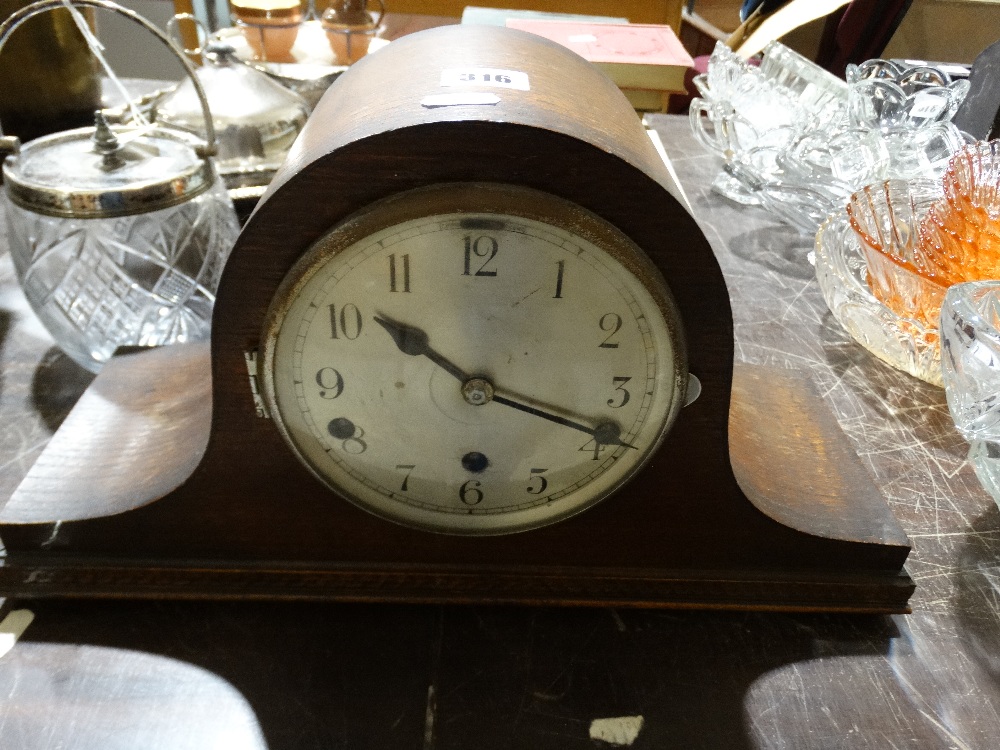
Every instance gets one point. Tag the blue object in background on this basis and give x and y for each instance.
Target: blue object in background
(768, 6)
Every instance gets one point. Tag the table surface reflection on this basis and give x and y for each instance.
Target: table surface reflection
(171, 675)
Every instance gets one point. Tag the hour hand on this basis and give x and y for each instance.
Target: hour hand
(415, 342)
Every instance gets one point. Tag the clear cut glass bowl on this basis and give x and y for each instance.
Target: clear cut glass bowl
(143, 280)
(970, 365)
(842, 273)
(743, 107)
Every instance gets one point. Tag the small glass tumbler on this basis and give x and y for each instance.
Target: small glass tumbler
(350, 27)
(269, 26)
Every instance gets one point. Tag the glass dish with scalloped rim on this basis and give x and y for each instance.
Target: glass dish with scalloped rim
(886, 95)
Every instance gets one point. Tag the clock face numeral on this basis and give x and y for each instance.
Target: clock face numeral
(408, 468)
(538, 483)
(623, 396)
(347, 324)
(561, 266)
(479, 254)
(594, 447)
(331, 383)
(610, 323)
(469, 492)
(466, 407)
(350, 434)
(403, 284)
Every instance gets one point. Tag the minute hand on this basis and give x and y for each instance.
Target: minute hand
(606, 433)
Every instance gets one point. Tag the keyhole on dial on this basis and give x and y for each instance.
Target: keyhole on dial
(475, 462)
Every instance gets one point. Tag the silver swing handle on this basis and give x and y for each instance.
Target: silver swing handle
(11, 144)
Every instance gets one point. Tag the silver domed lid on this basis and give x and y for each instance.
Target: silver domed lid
(256, 119)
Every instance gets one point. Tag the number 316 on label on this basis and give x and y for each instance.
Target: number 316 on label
(506, 79)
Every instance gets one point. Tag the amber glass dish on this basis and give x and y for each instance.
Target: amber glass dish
(960, 235)
(887, 219)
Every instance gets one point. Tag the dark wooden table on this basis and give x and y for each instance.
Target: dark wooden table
(170, 675)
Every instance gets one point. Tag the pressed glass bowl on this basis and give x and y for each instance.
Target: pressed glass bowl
(974, 175)
(903, 289)
(728, 74)
(970, 365)
(886, 95)
(887, 219)
(887, 216)
(822, 94)
(970, 357)
(743, 107)
(842, 272)
(961, 232)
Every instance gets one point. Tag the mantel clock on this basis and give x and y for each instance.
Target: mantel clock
(470, 347)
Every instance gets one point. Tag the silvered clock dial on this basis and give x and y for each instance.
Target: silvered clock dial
(473, 359)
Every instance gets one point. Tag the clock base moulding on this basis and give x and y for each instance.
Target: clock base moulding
(106, 465)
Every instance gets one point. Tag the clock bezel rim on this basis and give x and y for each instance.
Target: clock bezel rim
(475, 197)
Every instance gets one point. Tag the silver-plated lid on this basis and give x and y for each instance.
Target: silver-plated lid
(255, 118)
(107, 171)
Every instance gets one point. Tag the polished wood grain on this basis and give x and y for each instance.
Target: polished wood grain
(810, 531)
(134, 436)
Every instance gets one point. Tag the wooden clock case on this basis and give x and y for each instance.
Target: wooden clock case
(165, 482)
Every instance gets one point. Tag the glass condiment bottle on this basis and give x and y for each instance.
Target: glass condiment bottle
(269, 26)
(350, 27)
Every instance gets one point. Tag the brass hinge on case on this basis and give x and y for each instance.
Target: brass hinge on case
(261, 408)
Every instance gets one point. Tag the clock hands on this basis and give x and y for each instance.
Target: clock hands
(606, 433)
(477, 390)
(414, 341)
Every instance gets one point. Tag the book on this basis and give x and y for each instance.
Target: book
(647, 100)
(479, 16)
(634, 56)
